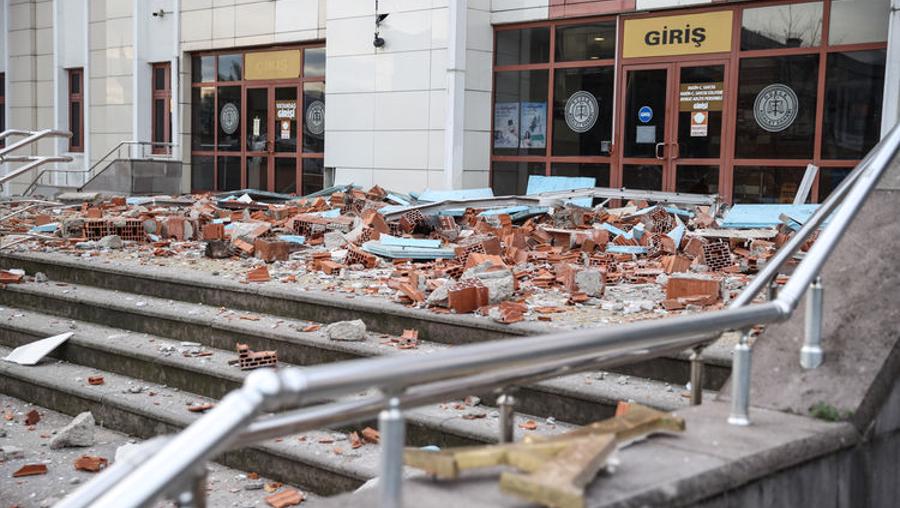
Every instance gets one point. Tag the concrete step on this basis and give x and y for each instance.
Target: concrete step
(292, 301)
(139, 356)
(227, 487)
(159, 409)
(580, 398)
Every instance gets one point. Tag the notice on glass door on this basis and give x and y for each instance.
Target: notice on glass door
(701, 96)
(285, 129)
(646, 134)
(699, 124)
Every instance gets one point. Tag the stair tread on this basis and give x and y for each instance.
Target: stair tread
(587, 387)
(450, 417)
(252, 323)
(228, 483)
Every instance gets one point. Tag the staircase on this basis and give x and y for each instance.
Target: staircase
(133, 325)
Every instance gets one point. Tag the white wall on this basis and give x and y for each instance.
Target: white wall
(154, 43)
(515, 11)
(385, 107)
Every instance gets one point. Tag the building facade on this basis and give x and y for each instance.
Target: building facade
(291, 96)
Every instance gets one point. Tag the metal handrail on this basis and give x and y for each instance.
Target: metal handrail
(102, 163)
(498, 364)
(30, 138)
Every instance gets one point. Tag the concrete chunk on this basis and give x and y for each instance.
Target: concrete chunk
(80, 432)
(346, 330)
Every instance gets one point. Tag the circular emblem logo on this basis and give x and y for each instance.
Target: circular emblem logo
(315, 117)
(581, 111)
(229, 118)
(645, 114)
(775, 107)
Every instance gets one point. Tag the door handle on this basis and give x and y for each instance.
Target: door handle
(676, 150)
(658, 146)
(269, 147)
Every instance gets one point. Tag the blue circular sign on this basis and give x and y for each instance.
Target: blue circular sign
(645, 114)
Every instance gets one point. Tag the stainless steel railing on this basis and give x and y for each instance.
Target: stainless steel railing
(175, 469)
(136, 150)
(33, 161)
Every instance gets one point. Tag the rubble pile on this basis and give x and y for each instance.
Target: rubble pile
(508, 263)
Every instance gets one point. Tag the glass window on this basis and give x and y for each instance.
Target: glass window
(829, 179)
(520, 113)
(202, 173)
(75, 82)
(854, 88)
(257, 173)
(203, 118)
(257, 119)
(697, 179)
(313, 62)
(313, 175)
(599, 172)
(762, 184)
(586, 42)
(159, 120)
(286, 119)
(229, 118)
(75, 125)
(858, 21)
(583, 111)
(696, 87)
(229, 169)
(526, 46)
(204, 69)
(782, 26)
(643, 177)
(645, 112)
(777, 107)
(159, 77)
(511, 178)
(314, 117)
(230, 67)
(286, 175)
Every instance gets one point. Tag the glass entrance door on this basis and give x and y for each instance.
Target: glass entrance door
(671, 127)
(271, 131)
(697, 157)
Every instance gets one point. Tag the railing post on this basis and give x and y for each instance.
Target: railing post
(392, 428)
(193, 494)
(506, 403)
(697, 376)
(740, 382)
(772, 290)
(811, 354)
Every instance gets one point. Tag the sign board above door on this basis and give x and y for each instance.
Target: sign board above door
(690, 34)
(284, 64)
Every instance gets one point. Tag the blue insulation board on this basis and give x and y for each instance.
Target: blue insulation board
(764, 216)
(538, 184)
(442, 195)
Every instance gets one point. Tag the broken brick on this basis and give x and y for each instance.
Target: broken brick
(370, 435)
(95, 380)
(682, 286)
(288, 497)
(259, 274)
(249, 359)
(90, 463)
(32, 418)
(30, 470)
(271, 250)
(213, 231)
(467, 295)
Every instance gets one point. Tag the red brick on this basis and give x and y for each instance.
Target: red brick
(213, 231)
(686, 287)
(272, 250)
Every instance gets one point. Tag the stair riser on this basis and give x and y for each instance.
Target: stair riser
(325, 310)
(260, 460)
(212, 334)
(198, 382)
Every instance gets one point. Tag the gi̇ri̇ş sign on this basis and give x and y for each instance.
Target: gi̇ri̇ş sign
(689, 34)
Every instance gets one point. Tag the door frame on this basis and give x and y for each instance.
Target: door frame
(670, 161)
(271, 154)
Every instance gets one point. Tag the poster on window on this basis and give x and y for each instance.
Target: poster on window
(534, 125)
(506, 125)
